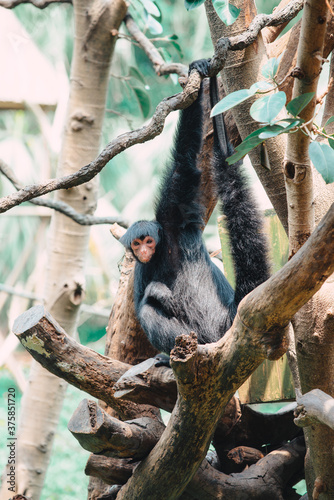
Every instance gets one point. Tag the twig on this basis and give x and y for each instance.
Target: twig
(60, 206)
(122, 142)
(40, 4)
(249, 36)
(85, 308)
(159, 65)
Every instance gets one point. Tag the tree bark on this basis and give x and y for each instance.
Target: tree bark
(98, 432)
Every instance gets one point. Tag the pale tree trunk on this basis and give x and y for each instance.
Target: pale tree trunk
(313, 324)
(68, 241)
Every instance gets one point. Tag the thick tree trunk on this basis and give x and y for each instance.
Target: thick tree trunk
(313, 325)
(68, 242)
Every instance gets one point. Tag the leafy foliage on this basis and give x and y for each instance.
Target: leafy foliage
(322, 157)
(228, 13)
(143, 100)
(299, 103)
(265, 110)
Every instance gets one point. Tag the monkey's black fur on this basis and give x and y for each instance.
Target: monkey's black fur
(180, 290)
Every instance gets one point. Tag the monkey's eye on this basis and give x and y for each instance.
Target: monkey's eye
(149, 241)
(135, 243)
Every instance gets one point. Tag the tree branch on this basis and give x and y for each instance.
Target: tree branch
(40, 4)
(265, 479)
(60, 206)
(82, 367)
(122, 142)
(99, 433)
(159, 65)
(155, 127)
(315, 407)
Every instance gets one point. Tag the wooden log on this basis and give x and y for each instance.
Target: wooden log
(268, 478)
(245, 455)
(110, 470)
(315, 407)
(100, 433)
(82, 367)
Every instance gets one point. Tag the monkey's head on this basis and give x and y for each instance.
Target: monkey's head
(142, 239)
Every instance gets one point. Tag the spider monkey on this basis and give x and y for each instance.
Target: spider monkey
(177, 288)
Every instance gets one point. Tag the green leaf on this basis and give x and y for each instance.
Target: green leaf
(153, 25)
(134, 73)
(330, 120)
(287, 121)
(151, 8)
(331, 143)
(277, 129)
(267, 108)
(192, 4)
(298, 103)
(144, 101)
(165, 54)
(322, 157)
(231, 100)
(261, 85)
(227, 13)
(269, 70)
(178, 48)
(247, 145)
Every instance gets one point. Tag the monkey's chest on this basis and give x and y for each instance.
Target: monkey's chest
(197, 301)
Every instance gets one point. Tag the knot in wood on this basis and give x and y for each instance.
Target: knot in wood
(185, 346)
(297, 72)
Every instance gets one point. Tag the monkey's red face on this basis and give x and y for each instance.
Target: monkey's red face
(144, 249)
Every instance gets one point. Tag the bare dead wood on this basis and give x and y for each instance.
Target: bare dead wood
(82, 367)
(208, 375)
(102, 434)
(110, 470)
(265, 479)
(315, 407)
(253, 429)
(244, 455)
(269, 476)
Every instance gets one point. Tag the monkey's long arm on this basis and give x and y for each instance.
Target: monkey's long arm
(248, 243)
(161, 329)
(177, 205)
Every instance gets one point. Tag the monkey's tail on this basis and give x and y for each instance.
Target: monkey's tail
(244, 223)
